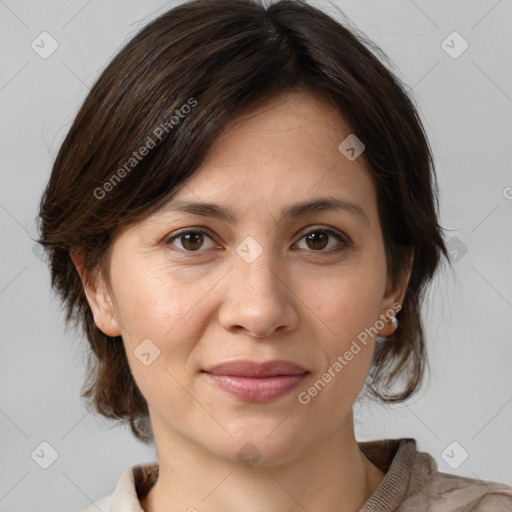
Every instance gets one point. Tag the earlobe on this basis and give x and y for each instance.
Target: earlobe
(103, 312)
(98, 298)
(395, 297)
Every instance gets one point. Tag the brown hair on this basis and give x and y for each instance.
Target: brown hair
(172, 89)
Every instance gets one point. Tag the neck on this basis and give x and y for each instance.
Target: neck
(331, 476)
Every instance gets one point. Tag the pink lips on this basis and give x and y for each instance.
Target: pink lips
(257, 382)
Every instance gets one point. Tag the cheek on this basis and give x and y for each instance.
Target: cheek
(160, 306)
(169, 308)
(153, 298)
(346, 302)
(348, 307)
(349, 310)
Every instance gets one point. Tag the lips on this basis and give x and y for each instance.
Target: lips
(257, 382)
(245, 368)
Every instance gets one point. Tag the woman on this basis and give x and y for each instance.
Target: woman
(243, 218)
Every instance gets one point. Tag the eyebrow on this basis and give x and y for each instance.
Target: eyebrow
(293, 210)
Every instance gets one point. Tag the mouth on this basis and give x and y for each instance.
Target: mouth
(247, 368)
(256, 382)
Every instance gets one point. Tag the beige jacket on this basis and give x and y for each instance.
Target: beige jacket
(412, 484)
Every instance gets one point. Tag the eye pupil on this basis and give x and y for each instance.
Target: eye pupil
(192, 241)
(318, 239)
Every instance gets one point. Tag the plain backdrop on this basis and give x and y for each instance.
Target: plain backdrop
(465, 409)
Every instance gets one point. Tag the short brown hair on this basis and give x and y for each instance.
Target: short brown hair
(222, 58)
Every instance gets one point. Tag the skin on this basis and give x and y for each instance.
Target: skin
(297, 301)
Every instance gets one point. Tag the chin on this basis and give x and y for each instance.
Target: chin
(252, 446)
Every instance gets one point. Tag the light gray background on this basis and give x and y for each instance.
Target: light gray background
(466, 106)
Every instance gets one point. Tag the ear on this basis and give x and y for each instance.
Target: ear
(396, 294)
(98, 297)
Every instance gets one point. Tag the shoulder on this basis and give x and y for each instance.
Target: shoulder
(413, 483)
(133, 483)
(446, 492)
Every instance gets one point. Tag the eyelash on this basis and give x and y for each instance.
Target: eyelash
(346, 243)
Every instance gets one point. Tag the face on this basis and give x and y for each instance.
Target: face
(190, 290)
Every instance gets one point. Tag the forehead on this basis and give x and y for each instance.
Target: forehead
(290, 142)
(293, 127)
(282, 152)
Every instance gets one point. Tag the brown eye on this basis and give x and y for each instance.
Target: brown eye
(190, 241)
(319, 239)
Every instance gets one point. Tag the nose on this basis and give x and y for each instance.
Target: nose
(259, 300)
